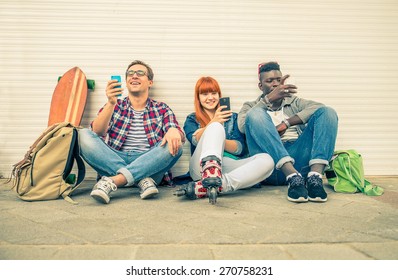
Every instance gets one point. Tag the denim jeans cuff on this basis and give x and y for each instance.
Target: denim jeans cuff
(128, 175)
(319, 161)
(282, 161)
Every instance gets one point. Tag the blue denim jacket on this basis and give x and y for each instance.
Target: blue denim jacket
(231, 131)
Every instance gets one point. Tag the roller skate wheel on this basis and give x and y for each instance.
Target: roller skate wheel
(213, 195)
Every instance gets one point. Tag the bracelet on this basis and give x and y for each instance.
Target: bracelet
(287, 123)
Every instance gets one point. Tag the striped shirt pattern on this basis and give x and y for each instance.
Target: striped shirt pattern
(136, 139)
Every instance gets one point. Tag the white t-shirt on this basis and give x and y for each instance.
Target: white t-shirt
(277, 117)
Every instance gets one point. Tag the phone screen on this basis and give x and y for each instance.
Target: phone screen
(224, 101)
(118, 78)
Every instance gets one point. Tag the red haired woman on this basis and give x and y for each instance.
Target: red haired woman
(218, 147)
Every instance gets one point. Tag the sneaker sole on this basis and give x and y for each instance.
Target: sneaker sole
(100, 196)
(149, 193)
(317, 199)
(298, 200)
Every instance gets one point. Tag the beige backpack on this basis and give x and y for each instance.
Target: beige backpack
(45, 171)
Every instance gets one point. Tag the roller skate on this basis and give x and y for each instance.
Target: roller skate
(211, 177)
(192, 190)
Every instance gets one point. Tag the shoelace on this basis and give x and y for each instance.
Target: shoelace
(107, 186)
(211, 163)
(211, 168)
(296, 181)
(144, 184)
(314, 181)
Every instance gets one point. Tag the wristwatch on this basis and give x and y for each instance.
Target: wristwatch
(287, 123)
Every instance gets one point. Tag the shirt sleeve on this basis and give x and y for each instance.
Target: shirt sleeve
(247, 106)
(306, 108)
(170, 120)
(190, 126)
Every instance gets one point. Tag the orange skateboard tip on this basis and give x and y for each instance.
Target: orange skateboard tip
(69, 98)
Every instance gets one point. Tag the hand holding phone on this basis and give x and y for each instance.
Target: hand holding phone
(224, 101)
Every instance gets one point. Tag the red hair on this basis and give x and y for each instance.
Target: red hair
(204, 85)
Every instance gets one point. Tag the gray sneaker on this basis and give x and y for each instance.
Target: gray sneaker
(148, 188)
(102, 190)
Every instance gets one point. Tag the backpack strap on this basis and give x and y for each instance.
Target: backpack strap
(372, 190)
(345, 163)
(80, 166)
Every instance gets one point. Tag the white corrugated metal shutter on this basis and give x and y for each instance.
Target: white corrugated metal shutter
(343, 53)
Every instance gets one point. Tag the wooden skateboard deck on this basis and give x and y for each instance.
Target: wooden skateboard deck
(69, 98)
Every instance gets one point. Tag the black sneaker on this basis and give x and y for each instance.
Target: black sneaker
(316, 192)
(297, 192)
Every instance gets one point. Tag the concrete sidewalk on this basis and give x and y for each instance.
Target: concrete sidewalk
(258, 223)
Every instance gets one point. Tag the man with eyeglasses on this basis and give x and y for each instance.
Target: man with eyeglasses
(143, 137)
(299, 134)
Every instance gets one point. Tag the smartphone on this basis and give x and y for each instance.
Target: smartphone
(224, 101)
(119, 80)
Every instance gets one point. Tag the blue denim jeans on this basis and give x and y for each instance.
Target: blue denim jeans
(133, 165)
(314, 145)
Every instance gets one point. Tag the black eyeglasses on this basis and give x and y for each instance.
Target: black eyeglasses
(140, 73)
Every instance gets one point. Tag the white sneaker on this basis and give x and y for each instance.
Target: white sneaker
(102, 189)
(148, 188)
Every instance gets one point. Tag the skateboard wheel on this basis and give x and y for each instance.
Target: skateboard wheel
(90, 84)
(71, 179)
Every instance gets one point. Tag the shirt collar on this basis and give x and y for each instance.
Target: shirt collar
(286, 100)
(125, 104)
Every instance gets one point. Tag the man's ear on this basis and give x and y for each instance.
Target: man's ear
(260, 86)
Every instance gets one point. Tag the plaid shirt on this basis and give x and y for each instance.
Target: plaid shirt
(158, 119)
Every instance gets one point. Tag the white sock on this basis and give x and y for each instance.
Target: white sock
(314, 173)
(291, 175)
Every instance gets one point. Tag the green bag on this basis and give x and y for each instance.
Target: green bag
(346, 174)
